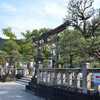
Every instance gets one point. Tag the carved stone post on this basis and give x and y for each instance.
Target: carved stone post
(75, 81)
(89, 78)
(71, 80)
(1, 72)
(56, 81)
(47, 77)
(42, 76)
(68, 78)
(38, 76)
(95, 89)
(24, 71)
(51, 78)
(78, 80)
(84, 74)
(61, 78)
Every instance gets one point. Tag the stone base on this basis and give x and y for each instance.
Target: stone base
(8, 78)
(32, 86)
(54, 93)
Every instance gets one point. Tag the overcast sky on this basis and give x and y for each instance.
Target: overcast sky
(23, 15)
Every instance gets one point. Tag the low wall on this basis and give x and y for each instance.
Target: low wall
(66, 84)
(61, 93)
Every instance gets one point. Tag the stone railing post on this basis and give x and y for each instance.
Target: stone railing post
(84, 76)
(56, 80)
(47, 77)
(95, 89)
(68, 78)
(24, 71)
(1, 72)
(61, 78)
(71, 80)
(38, 76)
(78, 80)
(51, 78)
(89, 78)
(42, 76)
(75, 81)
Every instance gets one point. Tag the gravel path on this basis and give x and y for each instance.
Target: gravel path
(15, 91)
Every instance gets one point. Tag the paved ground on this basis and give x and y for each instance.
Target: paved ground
(15, 91)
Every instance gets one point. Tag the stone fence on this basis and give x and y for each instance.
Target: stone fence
(74, 79)
(14, 71)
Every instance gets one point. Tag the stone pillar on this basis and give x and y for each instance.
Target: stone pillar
(38, 76)
(47, 77)
(1, 72)
(89, 78)
(56, 81)
(95, 89)
(78, 80)
(75, 81)
(51, 78)
(24, 71)
(84, 75)
(42, 76)
(68, 78)
(61, 78)
(71, 80)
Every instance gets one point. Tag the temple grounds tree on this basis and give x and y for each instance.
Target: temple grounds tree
(12, 48)
(73, 48)
(3, 58)
(86, 19)
(28, 55)
(8, 32)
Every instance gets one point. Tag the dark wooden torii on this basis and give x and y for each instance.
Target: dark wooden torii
(44, 37)
(57, 30)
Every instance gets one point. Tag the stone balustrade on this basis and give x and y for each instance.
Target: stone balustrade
(80, 79)
(13, 71)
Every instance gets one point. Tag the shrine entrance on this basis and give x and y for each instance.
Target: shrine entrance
(44, 40)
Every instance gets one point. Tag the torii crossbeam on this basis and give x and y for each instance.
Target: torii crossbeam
(52, 32)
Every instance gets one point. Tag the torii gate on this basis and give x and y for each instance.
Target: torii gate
(44, 37)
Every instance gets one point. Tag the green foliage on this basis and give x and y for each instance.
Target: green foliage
(12, 48)
(27, 36)
(8, 32)
(3, 57)
(29, 52)
(11, 45)
(16, 55)
(73, 48)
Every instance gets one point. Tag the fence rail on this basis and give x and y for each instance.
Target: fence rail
(74, 78)
(12, 71)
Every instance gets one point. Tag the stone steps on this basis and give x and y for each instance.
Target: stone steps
(24, 80)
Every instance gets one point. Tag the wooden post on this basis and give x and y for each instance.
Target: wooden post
(61, 78)
(84, 76)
